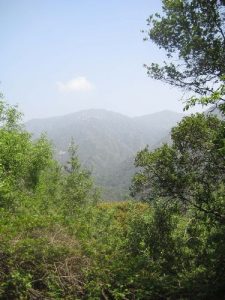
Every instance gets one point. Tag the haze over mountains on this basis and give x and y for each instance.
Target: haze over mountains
(107, 142)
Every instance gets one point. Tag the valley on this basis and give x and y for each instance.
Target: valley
(107, 142)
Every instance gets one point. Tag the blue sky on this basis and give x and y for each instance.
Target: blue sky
(62, 56)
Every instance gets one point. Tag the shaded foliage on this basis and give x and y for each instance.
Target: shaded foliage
(190, 171)
(57, 242)
(193, 35)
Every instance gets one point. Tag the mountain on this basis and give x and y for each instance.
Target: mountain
(156, 127)
(107, 142)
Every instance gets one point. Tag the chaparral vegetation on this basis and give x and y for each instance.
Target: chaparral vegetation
(58, 240)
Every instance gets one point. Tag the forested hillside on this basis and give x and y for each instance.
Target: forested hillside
(58, 240)
(107, 142)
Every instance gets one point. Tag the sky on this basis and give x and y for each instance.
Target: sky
(62, 56)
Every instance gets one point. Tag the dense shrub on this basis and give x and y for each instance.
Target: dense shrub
(58, 242)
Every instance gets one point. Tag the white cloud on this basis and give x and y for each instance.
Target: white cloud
(75, 85)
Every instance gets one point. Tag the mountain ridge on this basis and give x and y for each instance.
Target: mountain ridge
(107, 141)
(94, 110)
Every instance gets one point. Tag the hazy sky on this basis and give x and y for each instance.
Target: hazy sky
(61, 56)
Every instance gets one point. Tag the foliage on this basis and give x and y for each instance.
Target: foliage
(140, 252)
(40, 259)
(77, 185)
(177, 249)
(193, 35)
(190, 171)
(58, 242)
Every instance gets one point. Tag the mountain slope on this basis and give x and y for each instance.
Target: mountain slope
(107, 141)
(157, 126)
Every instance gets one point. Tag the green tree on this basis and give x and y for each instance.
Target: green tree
(40, 159)
(78, 186)
(21, 160)
(192, 32)
(190, 171)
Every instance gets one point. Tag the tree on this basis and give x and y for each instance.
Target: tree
(192, 32)
(40, 159)
(21, 160)
(191, 171)
(78, 186)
